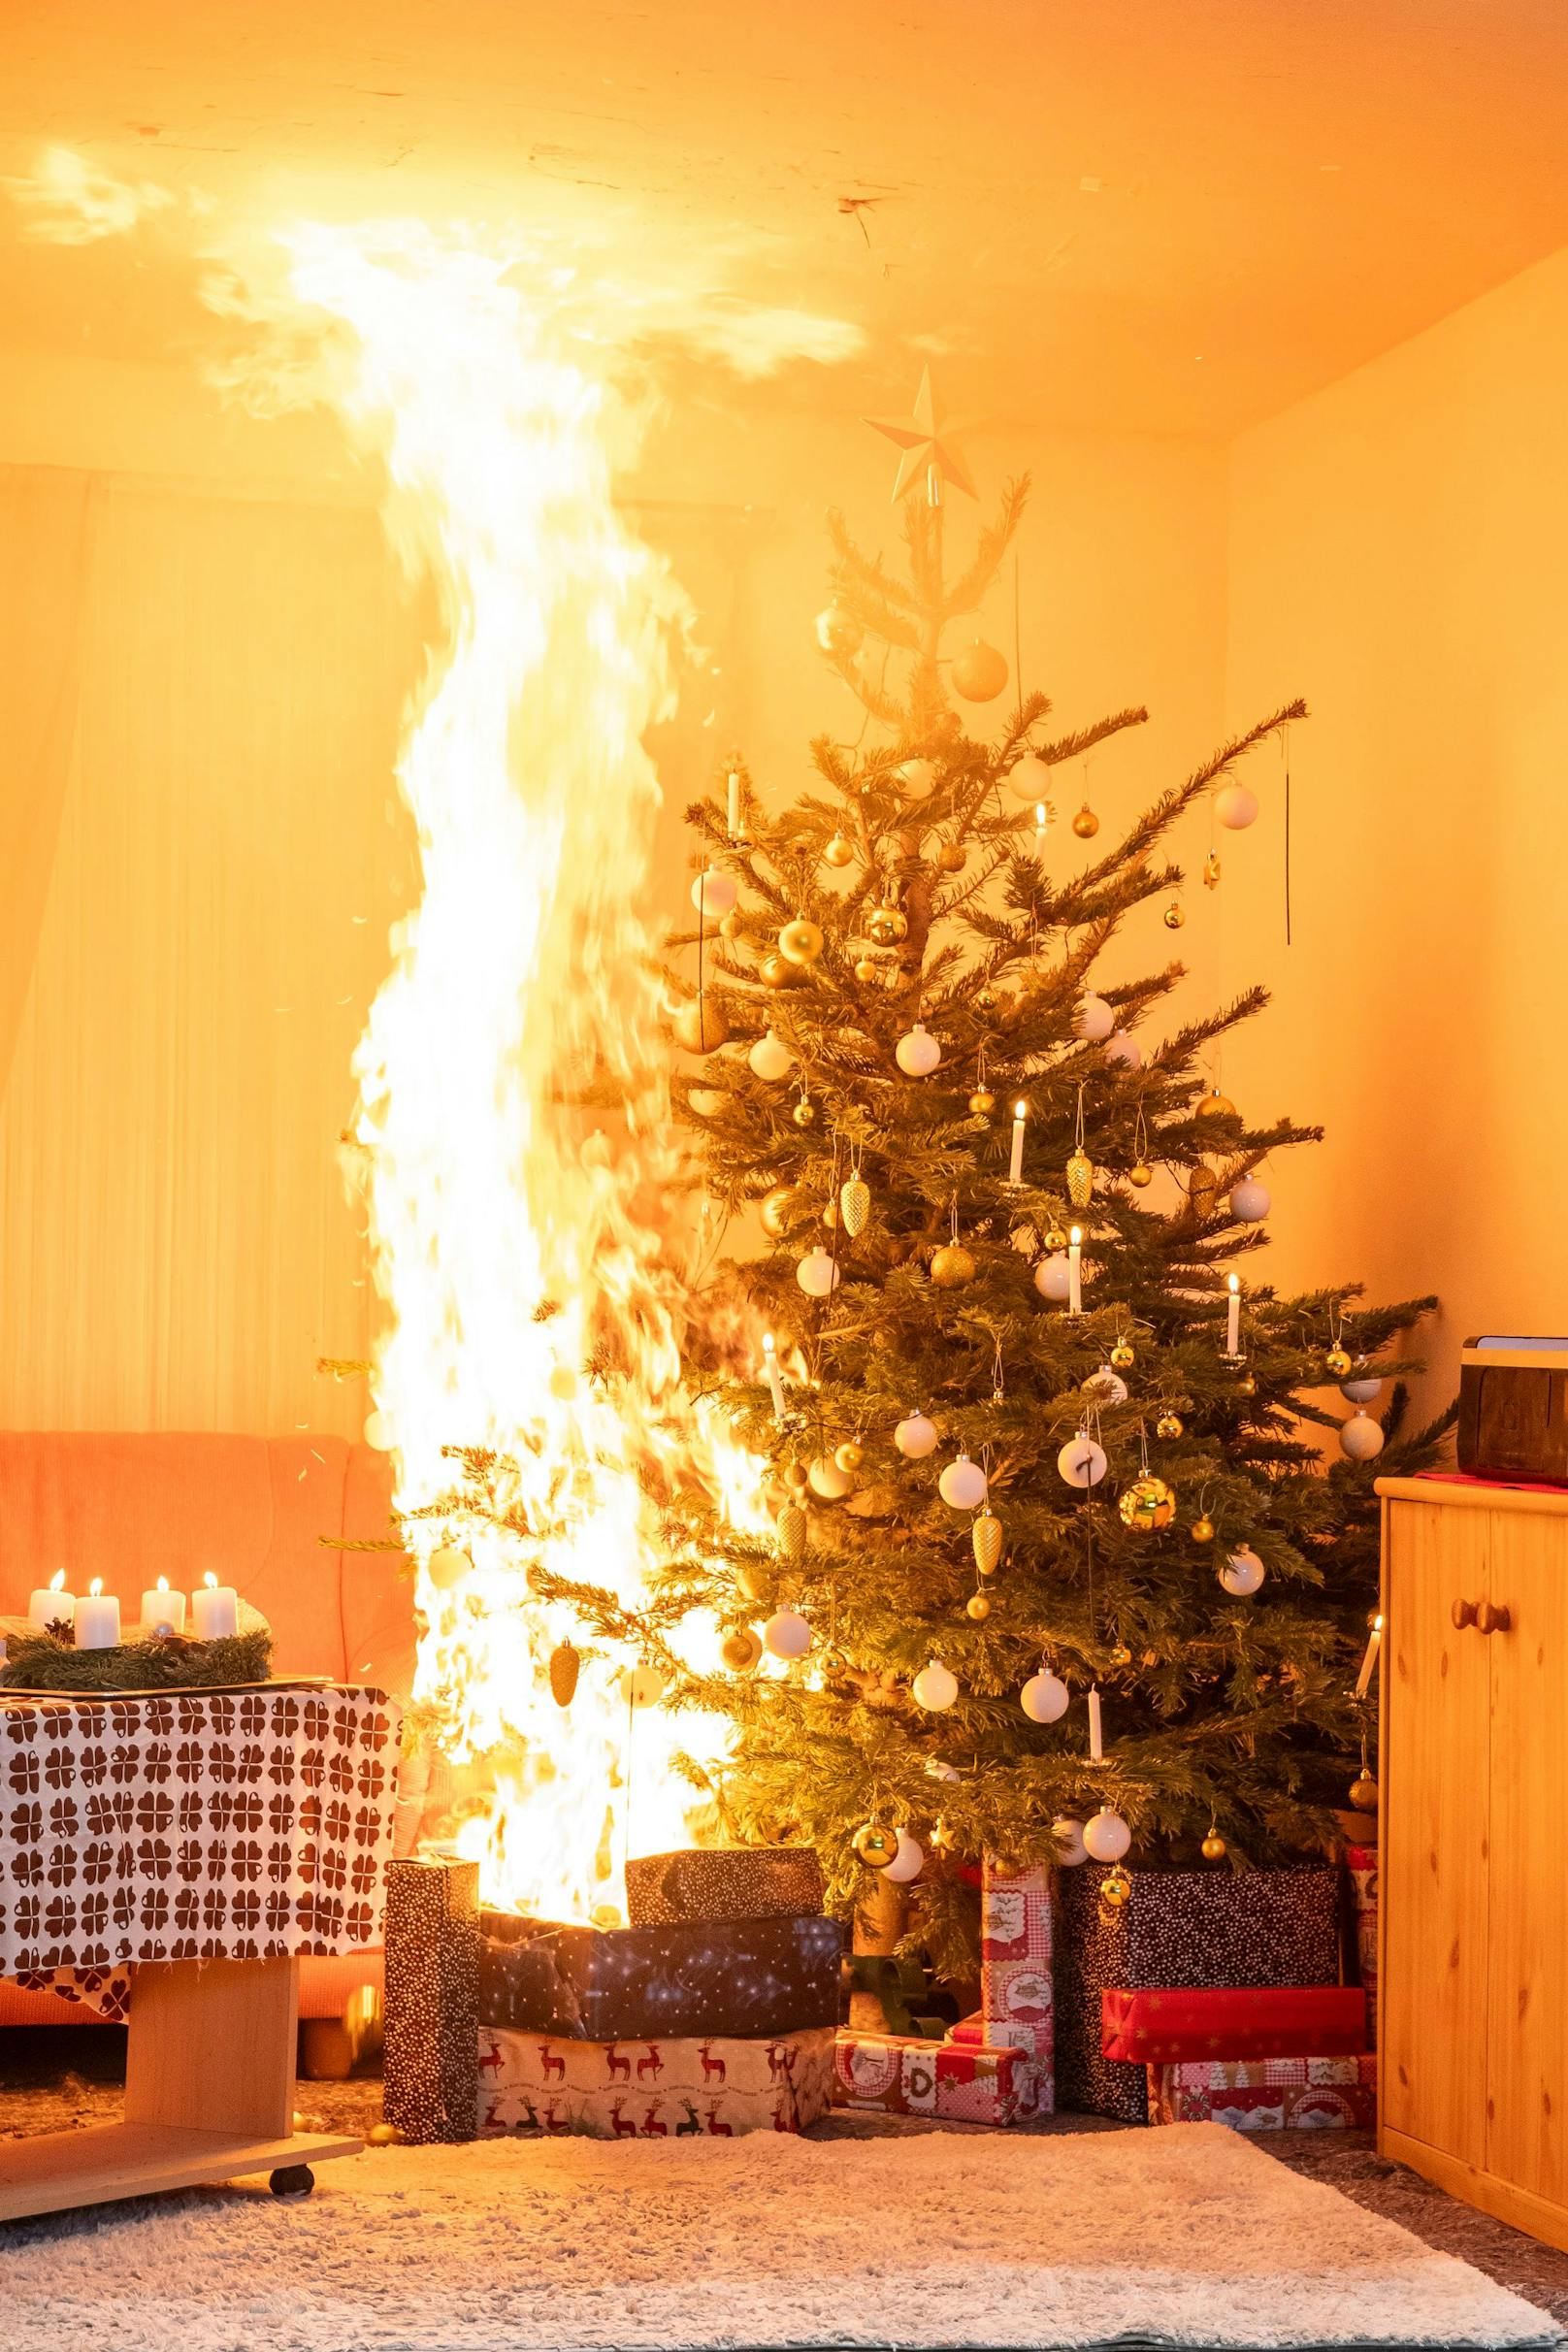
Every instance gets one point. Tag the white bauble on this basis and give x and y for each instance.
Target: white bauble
(770, 1058)
(936, 1686)
(907, 1863)
(713, 893)
(1107, 1837)
(962, 1484)
(1360, 1437)
(709, 1101)
(826, 1479)
(918, 1052)
(447, 1566)
(1044, 1697)
(915, 779)
(1242, 1573)
(1032, 779)
(1081, 1462)
(817, 1275)
(643, 1686)
(1106, 1387)
(787, 1634)
(1236, 806)
(1093, 1021)
(377, 1432)
(915, 1437)
(1068, 1835)
(1052, 1276)
(1361, 1392)
(1250, 1200)
(938, 1768)
(1124, 1050)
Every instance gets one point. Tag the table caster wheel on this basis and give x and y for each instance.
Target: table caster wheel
(292, 2180)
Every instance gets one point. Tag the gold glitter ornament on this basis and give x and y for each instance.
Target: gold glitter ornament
(1080, 1179)
(1338, 1361)
(777, 971)
(985, 1536)
(1146, 1504)
(950, 859)
(1213, 1847)
(1363, 1793)
(1169, 1425)
(1123, 1353)
(1202, 1530)
(839, 850)
(700, 1027)
(855, 1203)
(1215, 1105)
(804, 1112)
(789, 1528)
(1174, 916)
(1116, 1887)
(1086, 825)
(952, 1266)
(982, 1102)
(886, 925)
(875, 1844)
(848, 1455)
(741, 1649)
(978, 1606)
(730, 925)
(801, 941)
(1140, 1173)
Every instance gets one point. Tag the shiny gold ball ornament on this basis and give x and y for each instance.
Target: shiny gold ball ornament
(866, 971)
(1054, 1240)
(982, 1102)
(700, 1026)
(985, 1536)
(1247, 1386)
(1122, 1354)
(1080, 1179)
(849, 1456)
(730, 924)
(839, 850)
(1338, 1361)
(778, 1210)
(1140, 1173)
(1146, 1504)
(777, 971)
(382, 2135)
(840, 631)
(790, 1530)
(798, 1478)
(1363, 1793)
(1086, 825)
(741, 1649)
(804, 1112)
(950, 858)
(875, 1844)
(1174, 916)
(1203, 1529)
(855, 1205)
(1213, 1847)
(952, 1266)
(801, 941)
(886, 925)
(1169, 1425)
(565, 1665)
(1215, 1105)
(1116, 1887)
(978, 673)
(978, 1606)
(1121, 1654)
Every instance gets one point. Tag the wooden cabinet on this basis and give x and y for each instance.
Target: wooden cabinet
(1474, 1974)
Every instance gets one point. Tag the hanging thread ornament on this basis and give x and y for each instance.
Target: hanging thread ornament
(1140, 1172)
(952, 1265)
(1338, 1358)
(1145, 1504)
(982, 1102)
(1080, 1167)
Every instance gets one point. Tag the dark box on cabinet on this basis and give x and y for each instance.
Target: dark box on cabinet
(1514, 1409)
(745, 1977)
(1182, 1929)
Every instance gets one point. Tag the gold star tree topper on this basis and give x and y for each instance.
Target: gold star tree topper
(930, 452)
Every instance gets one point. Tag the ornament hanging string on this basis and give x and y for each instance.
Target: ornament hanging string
(1284, 753)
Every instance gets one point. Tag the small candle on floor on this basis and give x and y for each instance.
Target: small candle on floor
(770, 1374)
(1096, 1741)
(214, 1610)
(1232, 1345)
(1015, 1169)
(161, 1607)
(1374, 1642)
(51, 1604)
(97, 1619)
(1075, 1284)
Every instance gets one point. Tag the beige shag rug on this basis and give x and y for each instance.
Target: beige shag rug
(1183, 2236)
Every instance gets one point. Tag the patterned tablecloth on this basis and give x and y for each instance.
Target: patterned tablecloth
(190, 1825)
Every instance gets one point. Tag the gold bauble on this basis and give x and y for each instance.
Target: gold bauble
(950, 859)
(1146, 1504)
(866, 971)
(952, 1265)
(875, 1844)
(1247, 1386)
(855, 1203)
(1213, 1847)
(1169, 1425)
(777, 971)
(804, 1112)
(886, 925)
(1086, 825)
(730, 924)
(985, 1535)
(840, 631)
(1116, 1887)
(801, 941)
(1338, 1361)
(1056, 1239)
(979, 672)
(1080, 1179)
(796, 1478)
(1202, 1530)
(1124, 1353)
(779, 1208)
(741, 1649)
(839, 851)
(1173, 917)
(849, 1456)
(789, 1528)
(1121, 1655)
(700, 1026)
(1215, 1105)
(829, 1214)
(982, 1102)
(1140, 1173)
(382, 2135)
(1363, 1793)
(978, 1606)
(1211, 870)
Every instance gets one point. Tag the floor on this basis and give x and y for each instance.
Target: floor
(53, 2079)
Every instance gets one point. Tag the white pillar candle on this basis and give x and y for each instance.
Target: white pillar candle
(51, 1604)
(97, 1619)
(1015, 1169)
(735, 803)
(161, 1607)
(1075, 1285)
(1232, 1343)
(1096, 1741)
(771, 1375)
(1374, 1642)
(214, 1610)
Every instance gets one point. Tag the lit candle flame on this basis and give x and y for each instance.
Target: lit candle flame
(210, 1580)
(163, 1584)
(96, 1586)
(1234, 1281)
(1076, 1236)
(57, 1581)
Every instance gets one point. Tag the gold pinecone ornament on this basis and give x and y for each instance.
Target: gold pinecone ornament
(855, 1205)
(1080, 1179)
(790, 1530)
(986, 1536)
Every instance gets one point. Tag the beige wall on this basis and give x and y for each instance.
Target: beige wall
(1397, 555)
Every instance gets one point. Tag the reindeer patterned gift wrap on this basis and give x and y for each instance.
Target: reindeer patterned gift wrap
(687, 2089)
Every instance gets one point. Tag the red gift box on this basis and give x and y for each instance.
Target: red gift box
(1173, 2028)
(1362, 1862)
(1269, 2094)
(1017, 2000)
(901, 2074)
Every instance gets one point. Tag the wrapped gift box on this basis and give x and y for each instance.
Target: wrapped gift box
(745, 1977)
(901, 2074)
(1017, 1998)
(1182, 1928)
(1162, 2028)
(724, 1883)
(1269, 2094)
(432, 1997)
(714, 2086)
(1362, 1868)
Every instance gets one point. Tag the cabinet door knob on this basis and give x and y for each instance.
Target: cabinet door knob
(1464, 1614)
(1494, 1621)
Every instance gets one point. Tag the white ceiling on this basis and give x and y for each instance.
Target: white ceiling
(1144, 215)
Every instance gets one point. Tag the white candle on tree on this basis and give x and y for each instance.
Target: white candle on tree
(1075, 1285)
(1374, 1642)
(734, 802)
(97, 1619)
(1014, 1168)
(770, 1374)
(214, 1610)
(1232, 1345)
(161, 1607)
(51, 1604)
(1096, 1738)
